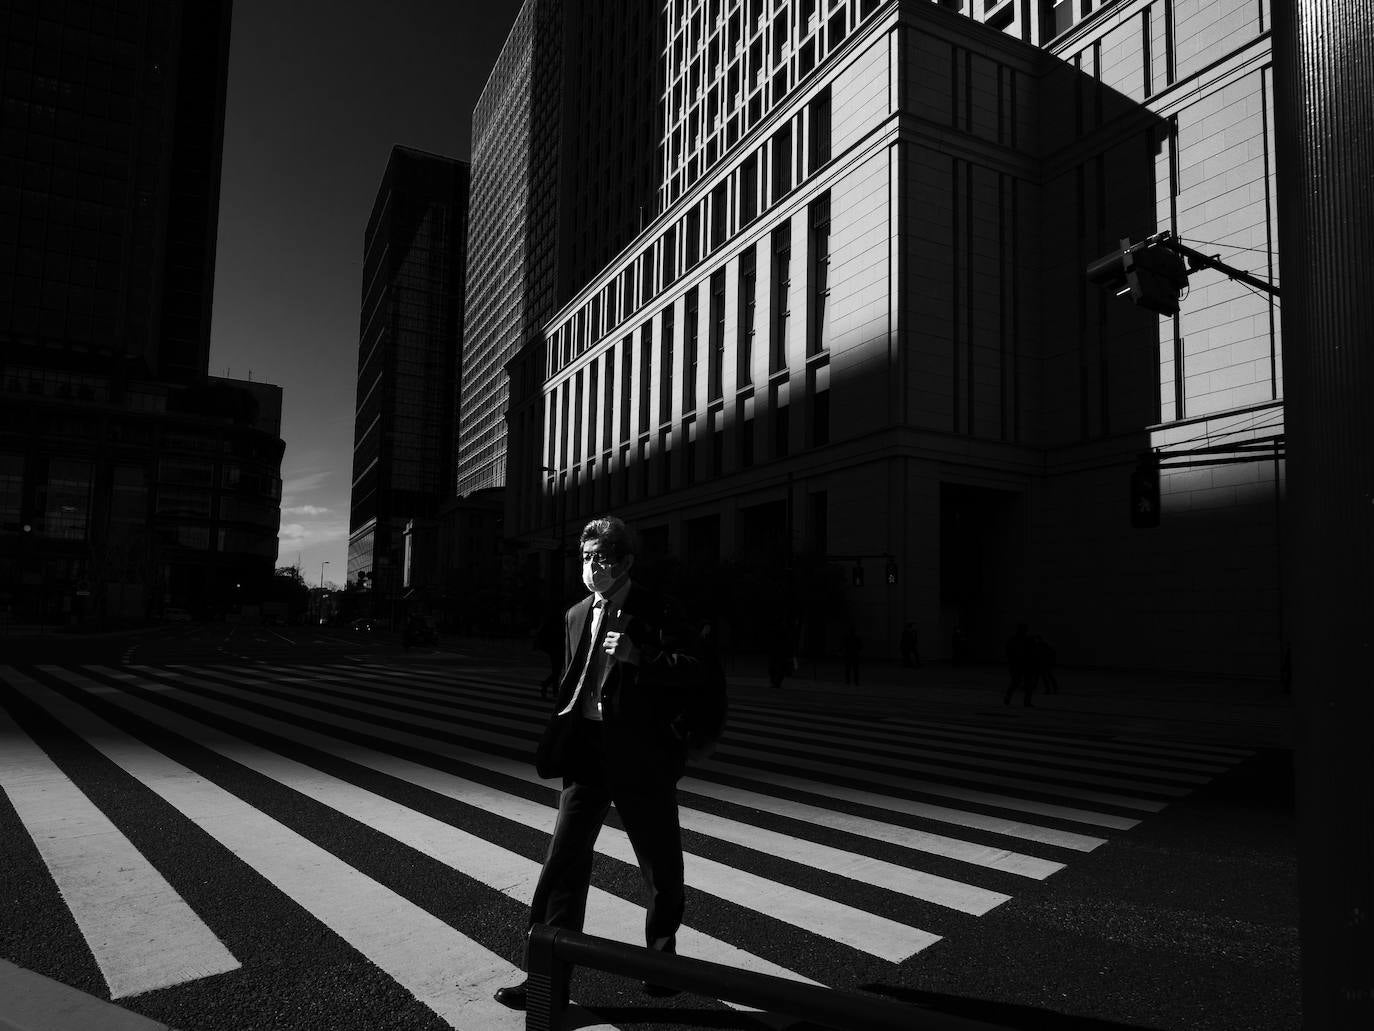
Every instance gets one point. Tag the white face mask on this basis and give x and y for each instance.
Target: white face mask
(598, 579)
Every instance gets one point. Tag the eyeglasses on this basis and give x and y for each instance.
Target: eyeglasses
(598, 558)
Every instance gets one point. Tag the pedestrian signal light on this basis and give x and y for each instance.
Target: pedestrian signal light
(1149, 272)
(1145, 493)
(856, 575)
(892, 570)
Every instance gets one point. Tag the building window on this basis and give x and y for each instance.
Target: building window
(820, 417)
(720, 208)
(716, 358)
(782, 162)
(692, 238)
(689, 434)
(591, 410)
(819, 114)
(782, 290)
(627, 348)
(66, 500)
(670, 256)
(689, 351)
(748, 302)
(577, 418)
(608, 407)
(646, 373)
(781, 427)
(665, 372)
(819, 338)
(749, 190)
(11, 492)
(665, 461)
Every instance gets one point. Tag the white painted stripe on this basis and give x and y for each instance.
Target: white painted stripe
(140, 931)
(1054, 748)
(891, 833)
(868, 798)
(523, 718)
(1026, 772)
(421, 952)
(906, 837)
(980, 821)
(1142, 746)
(866, 932)
(498, 868)
(904, 880)
(928, 787)
(998, 742)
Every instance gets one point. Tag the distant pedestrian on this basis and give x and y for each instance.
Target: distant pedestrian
(1020, 665)
(851, 646)
(911, 652)
(782, 650)
(956, 646)
(1044, 665)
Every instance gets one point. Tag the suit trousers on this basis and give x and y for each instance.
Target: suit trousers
(649, 815)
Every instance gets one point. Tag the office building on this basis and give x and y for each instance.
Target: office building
(854, 362)
(411, 328)
(130, 480)
(565, 172)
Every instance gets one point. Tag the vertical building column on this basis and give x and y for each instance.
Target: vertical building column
(1324, 78)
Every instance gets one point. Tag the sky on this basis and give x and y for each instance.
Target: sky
(319, 92)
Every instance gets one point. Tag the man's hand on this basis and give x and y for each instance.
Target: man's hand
(619, 647)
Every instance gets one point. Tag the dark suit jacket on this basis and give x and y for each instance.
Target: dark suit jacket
(642, 704)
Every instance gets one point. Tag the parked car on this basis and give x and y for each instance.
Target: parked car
(364, 626)
(172, 614)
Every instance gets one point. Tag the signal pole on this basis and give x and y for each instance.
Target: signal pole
(1324, 104)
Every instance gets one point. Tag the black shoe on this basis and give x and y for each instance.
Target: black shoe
(512, 996)
(658, 991)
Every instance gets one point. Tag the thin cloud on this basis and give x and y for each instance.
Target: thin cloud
(304, 483)
(306, 510)
(298, 536)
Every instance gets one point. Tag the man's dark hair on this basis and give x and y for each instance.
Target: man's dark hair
(611, 532)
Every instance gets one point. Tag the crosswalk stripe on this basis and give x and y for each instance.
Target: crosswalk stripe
(429, 959)
(922, 841)
(926, 887)
(980, 821)
(140, 931)
(935, 787)
(951, 760)
(866, 932)
(1031, 746)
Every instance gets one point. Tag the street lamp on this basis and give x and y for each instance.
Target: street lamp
(322, 565)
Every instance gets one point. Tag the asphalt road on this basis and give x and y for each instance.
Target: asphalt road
(354, 800)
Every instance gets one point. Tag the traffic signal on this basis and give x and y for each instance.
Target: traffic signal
(856, 575)
(1149, 271)
(892, 570)
(1145, 492)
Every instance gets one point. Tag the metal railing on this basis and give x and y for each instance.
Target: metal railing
(552, 951)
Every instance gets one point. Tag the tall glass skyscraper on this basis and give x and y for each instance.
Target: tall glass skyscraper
(411, 329)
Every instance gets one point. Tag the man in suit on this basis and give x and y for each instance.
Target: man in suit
(631, 687)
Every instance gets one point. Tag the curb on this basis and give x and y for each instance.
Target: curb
(37, 1003)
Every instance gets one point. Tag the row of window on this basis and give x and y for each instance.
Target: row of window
(581, 414)
(703, 229)
(724, 85)
(694, 451)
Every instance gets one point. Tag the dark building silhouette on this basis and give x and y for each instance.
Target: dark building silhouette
(411, 328)
(130, 480)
